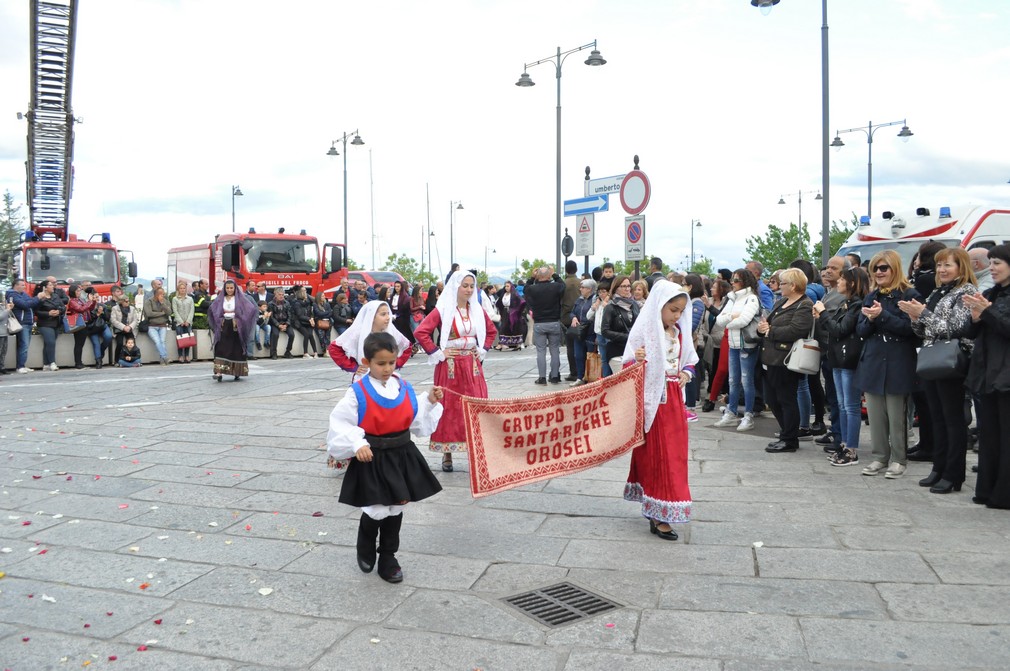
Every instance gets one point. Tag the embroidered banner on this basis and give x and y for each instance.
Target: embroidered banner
(516, 441)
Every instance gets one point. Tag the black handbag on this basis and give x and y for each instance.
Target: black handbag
(942, 360)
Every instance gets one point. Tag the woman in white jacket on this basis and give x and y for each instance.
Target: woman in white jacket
(740, 318)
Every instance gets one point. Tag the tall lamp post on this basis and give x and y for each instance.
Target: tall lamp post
(595, 59)
(333, 152)
(235, 191)
(766, 6)
(452, 252)
(870, 129)
(799, 220)
(695, 223)
(486, 249)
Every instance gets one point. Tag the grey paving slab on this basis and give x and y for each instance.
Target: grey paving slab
(76, 610)
(303, 527)
(923, 539)
(614, 630)
(204, 476)
(242, 635)
(851, 564)
(721, 635)
(299, 504)
(197, 444)
(123, 572)
(23, 524)
(108, 508)
(505, 579)
(627, 587)
(315, 467)
(207, 520)
(966, 568)
(609, 528)
(589, 659)
(87, 484)
(564, 504)
(222, 550)
(200, 495)
(771, 534)
(370, 648)
(12, 497)
(324, 484)
(345, 593)
(968, 604)
(467, 615)
(955, 645)
(150, 457)
(91, 534)
(493, 544)
(436, 514)
(89, 466)
(659, 557)
(774, 596)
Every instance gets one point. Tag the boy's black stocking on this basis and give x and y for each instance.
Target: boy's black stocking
(389, 543)
(368, 531)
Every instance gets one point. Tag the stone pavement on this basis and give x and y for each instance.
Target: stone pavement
(155, 508)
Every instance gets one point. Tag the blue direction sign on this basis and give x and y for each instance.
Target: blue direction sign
(590, 205)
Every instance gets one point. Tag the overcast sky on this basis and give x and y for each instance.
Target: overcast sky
(181, 99)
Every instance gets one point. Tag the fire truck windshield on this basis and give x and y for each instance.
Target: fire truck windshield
(280, 256)
(99, 266)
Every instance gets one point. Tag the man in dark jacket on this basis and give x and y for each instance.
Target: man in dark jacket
(572, 283)
(655, 271)
(543, 297)
(280, 322)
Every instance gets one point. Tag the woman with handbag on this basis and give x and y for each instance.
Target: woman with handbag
(77, 309)
(584, 340)
(886, 369)
(791, 319)
(944, 323)
(182, 313)
(843, 349)
(989, 379)
(740, 318)
(322, 312)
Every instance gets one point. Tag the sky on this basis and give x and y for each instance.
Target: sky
(182, 99)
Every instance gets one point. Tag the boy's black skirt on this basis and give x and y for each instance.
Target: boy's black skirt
(394, 475)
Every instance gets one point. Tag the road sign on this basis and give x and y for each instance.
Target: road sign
(588, 205)
(584, 236)
(605, 185)
(635, 192)
(634, 238)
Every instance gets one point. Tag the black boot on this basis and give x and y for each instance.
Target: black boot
(389, 543)
(368, 531)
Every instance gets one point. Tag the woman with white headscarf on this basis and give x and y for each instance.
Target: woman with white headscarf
(661, 336)
(348, 349)
(466, 333)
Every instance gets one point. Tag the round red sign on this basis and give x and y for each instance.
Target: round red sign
(635, 192)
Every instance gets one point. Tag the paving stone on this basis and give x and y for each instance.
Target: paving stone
(651, 555)
(609, 528)
(92, 534)
(87, 484)
(191, 475)
(285, 502)
(231, 462)
(565, 504)
(588, 659)
(802, 480)
(189, 518)
(954, 645)
(425, 651)
(304, 527)
(75, 607)
(23, 524)
(506, 579)
(434, 514)
(349, 594)
(885, 566)
(199, 495)
(968, 604)
(242, 635)
(843, 600)
(323, 485)
(465, 615)
(613, 630)
(919, 539)
(107, 508)
(780, 534)
(488, 543)
(626, 587)
(721, 635)
(223, 550)
(860, 515)
(965, 568)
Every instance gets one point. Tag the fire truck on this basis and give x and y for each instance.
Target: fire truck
(48, 248)
(281, 260)
(969, 226)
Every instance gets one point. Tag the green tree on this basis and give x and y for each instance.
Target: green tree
(526, 268)
(703, 266)
(353, 265)
(777, 248)
(11, 228)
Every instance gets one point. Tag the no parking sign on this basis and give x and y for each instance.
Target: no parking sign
(634, 238)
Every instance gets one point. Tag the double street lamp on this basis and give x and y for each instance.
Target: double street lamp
(235, 191)
(333, 152)
(870, 129)
(595, 59)
(799, 221)
(695, 223)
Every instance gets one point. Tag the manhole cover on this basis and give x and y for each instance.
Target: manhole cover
(560, 604)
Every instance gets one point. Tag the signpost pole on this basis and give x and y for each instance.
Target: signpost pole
(585, 193)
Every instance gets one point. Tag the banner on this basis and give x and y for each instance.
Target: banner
(516, 441)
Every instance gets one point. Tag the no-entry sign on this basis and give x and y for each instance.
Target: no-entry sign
(635, 192)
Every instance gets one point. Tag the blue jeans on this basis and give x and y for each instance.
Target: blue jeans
(24, 338)
(48, 344)
(157, 335)
(581, 348)
(544, 336)
(601, 347)
(100, 342)
(741, 376)
(803, 398)
(128, 364)
(831, 398)
(850, 415)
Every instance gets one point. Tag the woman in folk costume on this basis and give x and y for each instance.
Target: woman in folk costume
(466, 333)
(348, 349)
(232, 318)
(661, 336)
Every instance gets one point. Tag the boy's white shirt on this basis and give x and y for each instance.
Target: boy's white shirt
(345, 437)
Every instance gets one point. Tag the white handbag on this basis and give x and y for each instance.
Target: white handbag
(805, 356)
(13, 325)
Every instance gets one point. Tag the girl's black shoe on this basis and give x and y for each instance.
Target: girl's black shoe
(670, 535)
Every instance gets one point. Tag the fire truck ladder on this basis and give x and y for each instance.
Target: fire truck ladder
(50, 116)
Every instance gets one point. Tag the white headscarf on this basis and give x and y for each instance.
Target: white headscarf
(353, 339)
(648, 331)
(447, 305)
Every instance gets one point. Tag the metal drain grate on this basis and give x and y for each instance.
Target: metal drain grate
(560, 604)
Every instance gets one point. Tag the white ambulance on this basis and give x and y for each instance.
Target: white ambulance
(971, 226)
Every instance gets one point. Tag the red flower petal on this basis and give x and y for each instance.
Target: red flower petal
(317, 514)
(157, 621)
(141, 648)
(26, 639)
(87, 626)
(113, 658)
(36, 477)
(109, 613)
(42, 552)
(144, 585)
(26, 523)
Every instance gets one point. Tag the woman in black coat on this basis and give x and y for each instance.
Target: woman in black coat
(791, 318)
(618, 318)
(989, 377)
(923, 278)
(886, 370)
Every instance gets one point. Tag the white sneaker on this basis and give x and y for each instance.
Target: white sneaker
(874, 468)
(53, 366)
(23, 370)
(727, 419)
(747, 423)
(895, 471)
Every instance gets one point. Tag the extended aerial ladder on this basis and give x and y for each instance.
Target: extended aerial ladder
(50, 117)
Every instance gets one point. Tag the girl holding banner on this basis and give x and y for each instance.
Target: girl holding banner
(465, 334)
(658, 476)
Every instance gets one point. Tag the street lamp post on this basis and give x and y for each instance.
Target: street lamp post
(870, 129)
(766, 6)
(695, 223)
(595, 59)
(493, 251)
(452, 252)
(235, 191)
(799, 221)
(333, 152)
